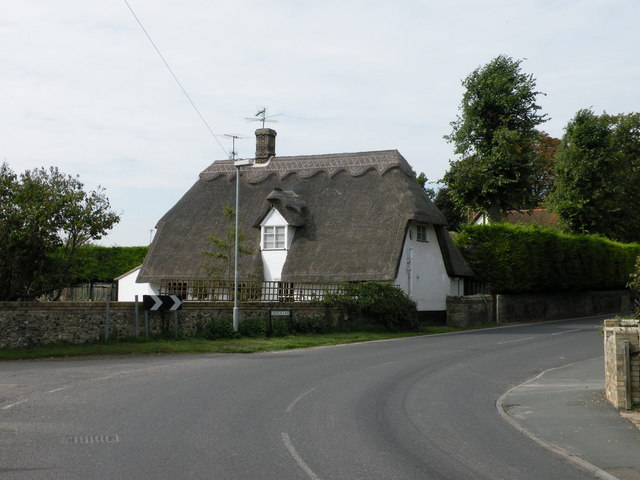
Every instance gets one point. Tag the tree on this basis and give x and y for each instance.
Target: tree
(222, 257)
(46, 215)
(495, 135)
(456, 217)
(544, 161)
(597, 185)
(423, 180)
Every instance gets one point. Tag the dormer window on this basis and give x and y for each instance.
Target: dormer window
(274, 237)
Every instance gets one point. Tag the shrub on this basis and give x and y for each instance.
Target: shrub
(523, 259)
(279, 327)
(218, 328)
(380, 304)
(255, 327)
(634, 276)
(312, 324)
(95, 263)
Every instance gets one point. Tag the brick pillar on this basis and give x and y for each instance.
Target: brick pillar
(617, 332)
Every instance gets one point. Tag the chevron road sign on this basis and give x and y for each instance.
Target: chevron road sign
(161, 302)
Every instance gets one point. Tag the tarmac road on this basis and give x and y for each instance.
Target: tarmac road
(416, 408)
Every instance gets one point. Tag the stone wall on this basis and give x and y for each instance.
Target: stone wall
(622, 362)
(25, 324)
(469, 310)
(478, 309)
(554, 306)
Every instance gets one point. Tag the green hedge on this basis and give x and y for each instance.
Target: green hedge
(377, 304)
(523, 259)
(103, 264)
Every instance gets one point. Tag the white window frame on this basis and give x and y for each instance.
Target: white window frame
(421, 233)
(274, 237)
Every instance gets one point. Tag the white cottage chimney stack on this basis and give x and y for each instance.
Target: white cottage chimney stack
(265, 144)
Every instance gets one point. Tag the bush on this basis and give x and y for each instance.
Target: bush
(218, 328)
(313, 324)
(255, 327)
(634, 285)
(379, 304)
(103, 264)
(524, 259)
(279, 327)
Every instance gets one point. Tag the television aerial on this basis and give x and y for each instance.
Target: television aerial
(262, 116)
(233, 137)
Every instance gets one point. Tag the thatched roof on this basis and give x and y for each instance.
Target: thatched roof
(351, 212)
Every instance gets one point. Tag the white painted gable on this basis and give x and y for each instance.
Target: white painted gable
(422, 273)
(128, 289)
(273, 259)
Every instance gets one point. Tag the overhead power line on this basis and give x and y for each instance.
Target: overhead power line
(176, 78)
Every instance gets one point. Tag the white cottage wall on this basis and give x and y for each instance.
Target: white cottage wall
(128, 288)
(273, 260)
(422, 274)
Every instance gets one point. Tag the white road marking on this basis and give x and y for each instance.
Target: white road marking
(296, 456)
(514, 341)
(297, 399)
(7, 407)
(57, 390)
(568, 331)
(115, 374)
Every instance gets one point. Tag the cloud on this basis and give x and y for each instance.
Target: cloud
(84, 89)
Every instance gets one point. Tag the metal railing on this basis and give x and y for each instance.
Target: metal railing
(249, 291)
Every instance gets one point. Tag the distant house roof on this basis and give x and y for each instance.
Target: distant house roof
(536, 216)
(351, 210)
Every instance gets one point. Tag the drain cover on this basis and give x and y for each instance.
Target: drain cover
(89, 439)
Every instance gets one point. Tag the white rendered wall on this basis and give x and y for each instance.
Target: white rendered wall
(128, 288)
(457, 287)
(422, 274)
(273, 260)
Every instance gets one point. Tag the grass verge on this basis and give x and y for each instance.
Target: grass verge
(137, 347)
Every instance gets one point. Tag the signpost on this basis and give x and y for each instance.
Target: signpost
(169, 303)
(278, 314)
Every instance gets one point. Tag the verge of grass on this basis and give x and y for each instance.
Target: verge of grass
(138, 347)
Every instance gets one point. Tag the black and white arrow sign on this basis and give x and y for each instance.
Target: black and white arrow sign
(161, 302)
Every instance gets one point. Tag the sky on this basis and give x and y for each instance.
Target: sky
(83, 88)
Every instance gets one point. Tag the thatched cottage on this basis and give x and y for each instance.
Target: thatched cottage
(318, 218)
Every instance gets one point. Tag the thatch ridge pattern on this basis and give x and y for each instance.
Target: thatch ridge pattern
(306, 166)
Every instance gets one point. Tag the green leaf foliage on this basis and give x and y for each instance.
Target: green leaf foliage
(310, 324)
(221, 258)
(597, 186)
(379, 304)
(218, 328)
(526, 259)
(45, 216)
(495, 134)
(103, 264)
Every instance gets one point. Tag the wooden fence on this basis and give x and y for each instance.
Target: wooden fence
(249, 291)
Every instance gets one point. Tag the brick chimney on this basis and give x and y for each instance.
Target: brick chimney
(265, 144)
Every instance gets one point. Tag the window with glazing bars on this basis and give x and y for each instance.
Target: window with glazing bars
(422, 233)
(273, 238)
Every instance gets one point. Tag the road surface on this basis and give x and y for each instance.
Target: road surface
(415, 408)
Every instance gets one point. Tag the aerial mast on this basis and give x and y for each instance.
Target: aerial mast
(262, 116)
